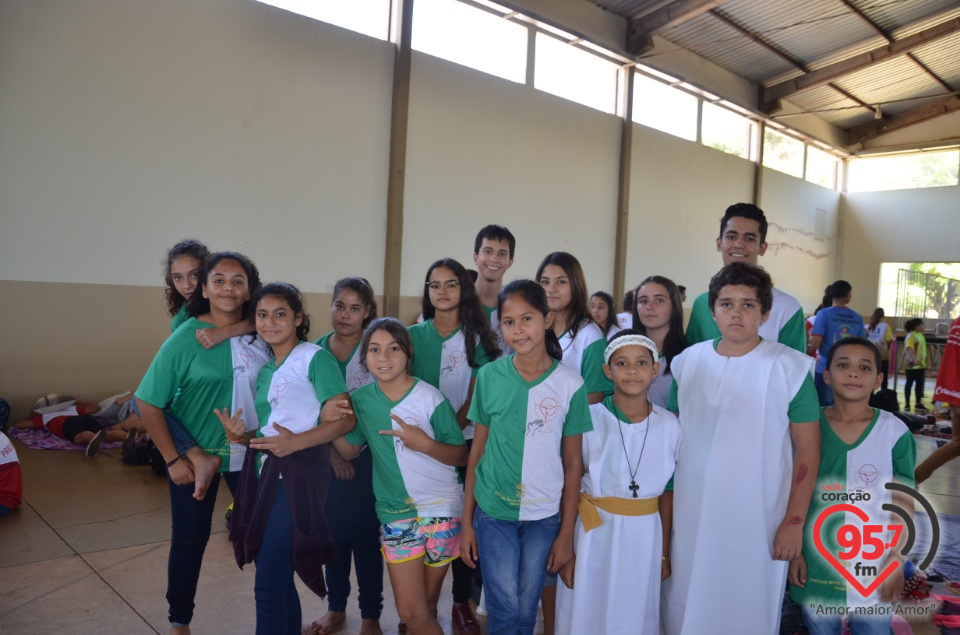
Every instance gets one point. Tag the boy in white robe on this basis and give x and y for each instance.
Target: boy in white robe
(612, 585)
(746, 469)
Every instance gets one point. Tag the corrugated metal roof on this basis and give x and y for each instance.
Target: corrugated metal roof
(893, 16)
(631, 8)
(831, 106)
(723, 45)
(808, 30)
(816, 34)
(895, 79)
(941, 58)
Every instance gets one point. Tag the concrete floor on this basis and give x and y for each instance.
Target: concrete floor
(87, 553)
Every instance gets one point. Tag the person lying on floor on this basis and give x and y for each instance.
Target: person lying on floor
(74, 421)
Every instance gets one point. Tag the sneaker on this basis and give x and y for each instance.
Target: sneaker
(93, 448)
(464, 621)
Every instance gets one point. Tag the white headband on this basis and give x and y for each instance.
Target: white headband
(630, 340)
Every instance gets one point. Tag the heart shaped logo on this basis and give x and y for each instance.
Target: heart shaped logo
(829, 557)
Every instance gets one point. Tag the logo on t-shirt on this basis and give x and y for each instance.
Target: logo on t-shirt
(398, 445)
(276, 393)
(249, 358)
(452, 367)
(357, 380)
(868, 475)
(548, 408)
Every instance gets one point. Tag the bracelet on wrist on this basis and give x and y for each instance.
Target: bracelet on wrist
(174, 460)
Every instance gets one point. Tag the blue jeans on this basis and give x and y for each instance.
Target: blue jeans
(181, 438)
(824, 392)
(191, 521)
(5, 510)
(514, 554)
(859, 624)
(352, 517)
(278, 604)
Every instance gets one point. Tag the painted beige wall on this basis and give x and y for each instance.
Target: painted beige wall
(673, 228)
(483, 150)
(128, 126)
(801, 262)
(896, 226)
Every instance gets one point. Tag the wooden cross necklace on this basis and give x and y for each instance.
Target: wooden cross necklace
(634, 488)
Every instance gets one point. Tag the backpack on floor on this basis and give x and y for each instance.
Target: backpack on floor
(885, 399)
(137, 453)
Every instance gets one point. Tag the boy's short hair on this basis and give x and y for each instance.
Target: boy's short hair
(840, 289)
(854, 341)
(740, 273)
(495, 232)
(745, 210)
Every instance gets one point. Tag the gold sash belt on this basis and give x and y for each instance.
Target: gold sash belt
(590, 517)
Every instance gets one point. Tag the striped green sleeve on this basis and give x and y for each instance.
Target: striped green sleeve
(805, 406)
(794, 333)
(905, 459)
(702, 326)
(591, 369)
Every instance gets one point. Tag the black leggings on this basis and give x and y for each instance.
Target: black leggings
(914, 375)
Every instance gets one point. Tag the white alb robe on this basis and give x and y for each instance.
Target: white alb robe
(617, 576)
(731, 488)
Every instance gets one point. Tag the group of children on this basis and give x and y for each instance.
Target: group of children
(509, 431)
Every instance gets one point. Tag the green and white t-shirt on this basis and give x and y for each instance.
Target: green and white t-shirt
(886, 451)
(785, 324)
(493, 317)
(190, 381)
(520, 476)
(442, 363)
(409, 484)
(178, 319)
(353, 373)
(293, 393)
(584, 354)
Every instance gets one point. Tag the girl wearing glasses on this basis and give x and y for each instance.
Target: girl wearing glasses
(449, 347)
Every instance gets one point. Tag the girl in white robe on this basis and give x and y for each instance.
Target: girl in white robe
(612, 587)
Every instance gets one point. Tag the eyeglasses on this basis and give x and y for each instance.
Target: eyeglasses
(449, 285)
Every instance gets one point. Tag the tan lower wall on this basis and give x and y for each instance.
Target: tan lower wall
(93, 340)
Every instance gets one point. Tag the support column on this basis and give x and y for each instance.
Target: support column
(398, 158)
(623, 190)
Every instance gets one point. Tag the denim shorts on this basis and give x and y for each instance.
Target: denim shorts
(436, 540)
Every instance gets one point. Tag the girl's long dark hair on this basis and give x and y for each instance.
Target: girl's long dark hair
(294, 299)
(534, 295)
(875, 319)
(199, 305)
(363, 288)
(473, 319)
(578, 313)
(192, 249)
(611, 311)
(675, 342)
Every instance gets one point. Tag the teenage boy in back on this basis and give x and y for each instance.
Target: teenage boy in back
(493, 254)
(743, 238)
(832, 325)
(740, 491)
(863, 449)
